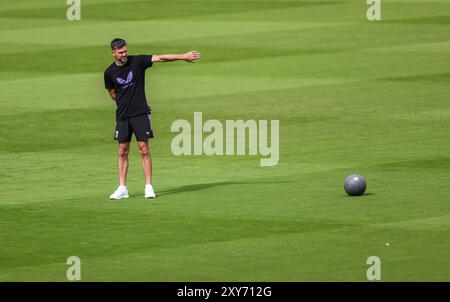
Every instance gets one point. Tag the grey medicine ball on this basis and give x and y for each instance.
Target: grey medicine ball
(355, 185)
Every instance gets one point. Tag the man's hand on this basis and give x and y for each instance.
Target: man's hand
(112, 94)
(191, 56)
(149, 109)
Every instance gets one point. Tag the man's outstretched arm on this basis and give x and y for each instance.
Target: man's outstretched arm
(190, 57)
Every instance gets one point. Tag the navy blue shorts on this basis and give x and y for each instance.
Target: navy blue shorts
(139, 125)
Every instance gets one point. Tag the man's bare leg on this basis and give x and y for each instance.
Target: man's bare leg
(122, 191)
(146, 160)
(124, 149)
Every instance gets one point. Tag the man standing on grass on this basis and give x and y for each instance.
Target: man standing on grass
(125, 80)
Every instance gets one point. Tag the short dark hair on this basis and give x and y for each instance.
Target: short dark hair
(118, 43)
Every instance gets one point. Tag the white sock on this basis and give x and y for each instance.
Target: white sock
(122, 187)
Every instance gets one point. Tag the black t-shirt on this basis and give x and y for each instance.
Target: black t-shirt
(128, 82)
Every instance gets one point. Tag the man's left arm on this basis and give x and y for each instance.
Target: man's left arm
(190, 57)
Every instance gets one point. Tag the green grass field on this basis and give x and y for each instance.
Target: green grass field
(352, 96)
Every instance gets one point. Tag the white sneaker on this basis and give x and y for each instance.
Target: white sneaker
(149, 193)
(121, 192)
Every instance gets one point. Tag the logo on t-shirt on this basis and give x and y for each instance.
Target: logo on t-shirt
(126, 82)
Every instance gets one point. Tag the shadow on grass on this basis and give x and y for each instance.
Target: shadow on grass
(361, 196)
(368, 194)
(198, 187)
